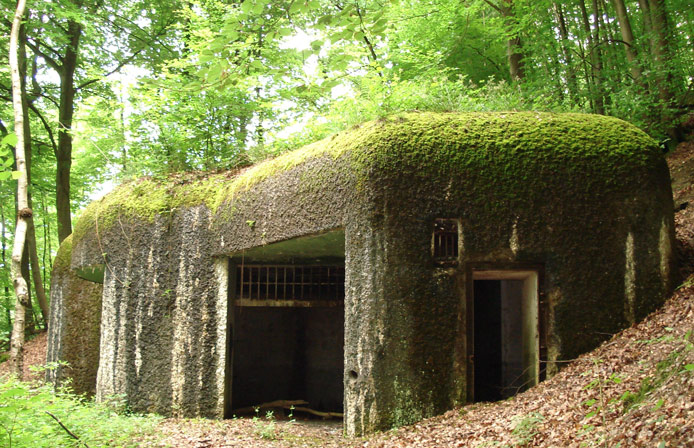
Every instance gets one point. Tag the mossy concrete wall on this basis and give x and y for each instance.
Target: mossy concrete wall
(587, 198)
(163, 325)
(74, 326)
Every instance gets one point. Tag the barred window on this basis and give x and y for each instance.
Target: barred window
(445, 240)
(290, 282)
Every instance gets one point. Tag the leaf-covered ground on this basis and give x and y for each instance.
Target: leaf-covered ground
(637, 389)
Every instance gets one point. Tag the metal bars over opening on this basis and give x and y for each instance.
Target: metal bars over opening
(445, 240)
(257, 282)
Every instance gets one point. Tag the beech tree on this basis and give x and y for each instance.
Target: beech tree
(24, 214)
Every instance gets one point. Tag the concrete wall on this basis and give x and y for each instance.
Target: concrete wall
(164, 318)
(74, 326)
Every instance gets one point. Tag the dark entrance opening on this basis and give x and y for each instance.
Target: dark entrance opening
(488, 340)
(287, 326)
(506, 337)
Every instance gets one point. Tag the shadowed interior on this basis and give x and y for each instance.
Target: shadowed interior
(288, 323)
(505, 334)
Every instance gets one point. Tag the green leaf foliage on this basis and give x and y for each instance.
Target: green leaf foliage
(25, 419)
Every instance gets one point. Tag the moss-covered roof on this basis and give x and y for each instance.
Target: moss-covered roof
(64, 255)
(431, 143)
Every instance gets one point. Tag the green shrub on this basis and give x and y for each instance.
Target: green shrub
(30, 416)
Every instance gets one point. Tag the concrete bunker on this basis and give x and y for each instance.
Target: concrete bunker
(286, 324)
(529, 237)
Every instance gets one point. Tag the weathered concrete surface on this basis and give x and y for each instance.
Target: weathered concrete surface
(74, 326)
(163, 318)
(586, 198)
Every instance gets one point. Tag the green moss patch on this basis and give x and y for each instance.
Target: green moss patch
(64, 256)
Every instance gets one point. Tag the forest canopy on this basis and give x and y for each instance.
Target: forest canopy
(115, 89)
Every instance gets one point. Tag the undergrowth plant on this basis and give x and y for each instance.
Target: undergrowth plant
(265, 429)
(39, 416)
(525, 428)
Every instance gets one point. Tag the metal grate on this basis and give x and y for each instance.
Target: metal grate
(290, 282)
(445, 240)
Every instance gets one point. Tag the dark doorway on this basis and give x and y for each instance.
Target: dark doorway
(288, 353)
(286, 338)
(505, 350)
(487, 340)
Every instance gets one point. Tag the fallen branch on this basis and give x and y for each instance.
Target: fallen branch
(72, 434)
(292, 405)
(325, 415)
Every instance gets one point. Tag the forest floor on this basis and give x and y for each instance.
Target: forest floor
(636, 389)
(34, 355)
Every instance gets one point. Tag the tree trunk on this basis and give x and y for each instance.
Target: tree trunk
(30, 322)
(610, 67)
(596, 65)
(29, 253)
(19, 283)
(628, 38)
(46, 241)
(4, 263)
(597, 59)
(566, 52)
(513, 44)
(36, 273)
(46, 235)
(661, 48)
(666, 80)
(66, 111)
(647, 26)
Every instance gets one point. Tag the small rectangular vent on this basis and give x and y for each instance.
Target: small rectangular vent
(290, 282)
(445, 240)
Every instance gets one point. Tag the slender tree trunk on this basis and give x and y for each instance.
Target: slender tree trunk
(8, 315)
(66, 111)
(36, 273)
(566, 52)
(645, 8)
(30, 323)
(666, 80)
(596, 65)
(661, 48)
(20, 284)
(587, 75)
(46, 235)
(30, 256)
(124, 147)
(45, 240)
(611, 68)
(628, 38)
(513, 42)
(553, 69)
